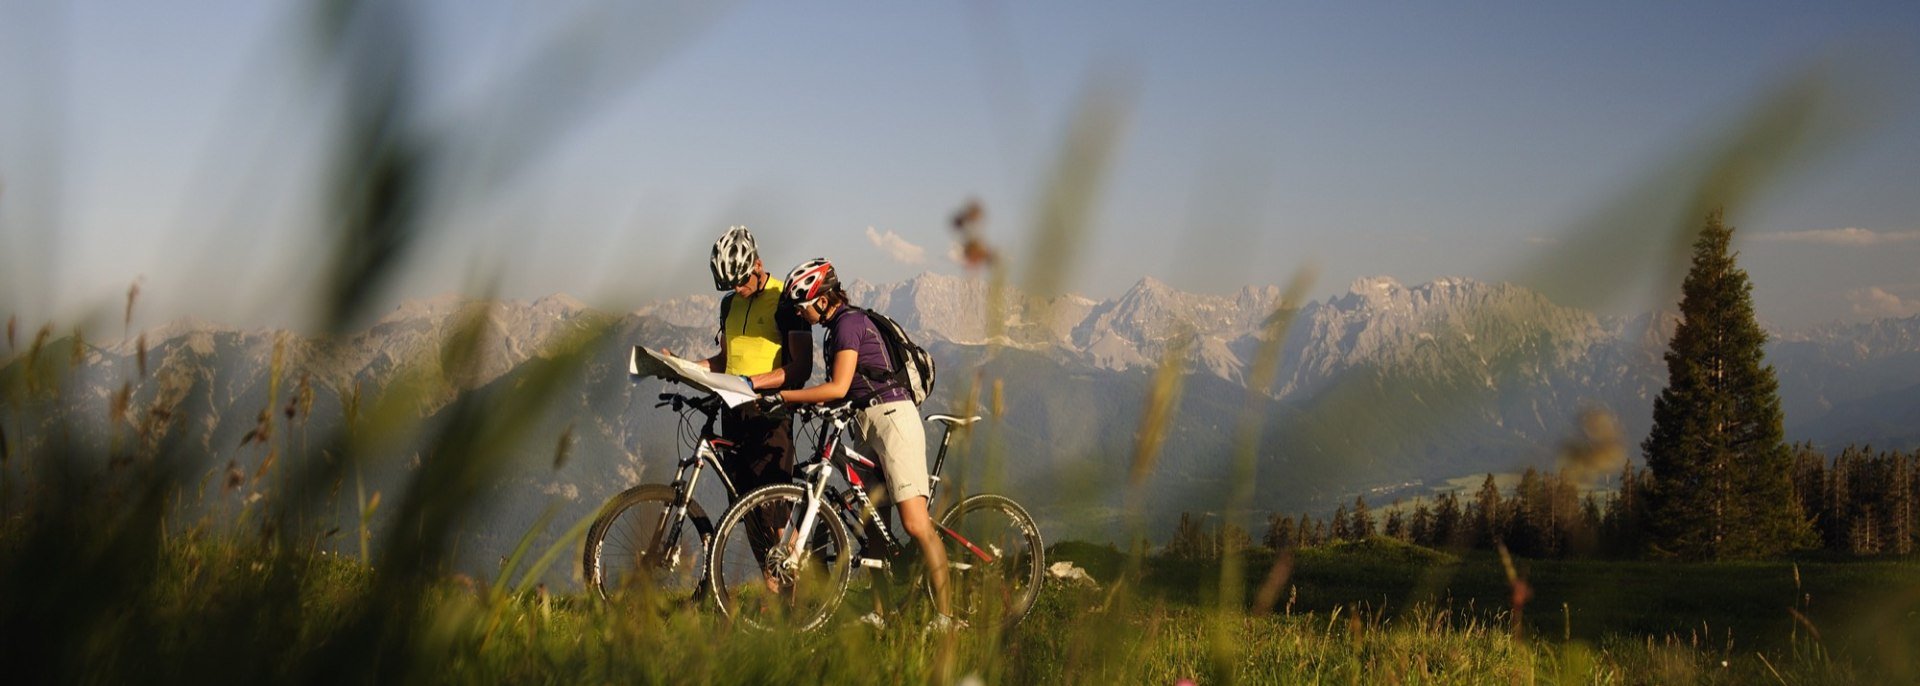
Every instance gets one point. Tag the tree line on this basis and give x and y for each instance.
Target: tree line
(1859, 502)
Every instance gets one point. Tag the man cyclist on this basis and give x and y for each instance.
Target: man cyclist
(764, 343)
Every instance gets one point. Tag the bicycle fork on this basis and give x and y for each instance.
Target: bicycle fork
(684, 481)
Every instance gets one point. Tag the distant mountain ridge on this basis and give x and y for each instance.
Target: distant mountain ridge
(1547, 360)
(1385, 384)
(1448, 331)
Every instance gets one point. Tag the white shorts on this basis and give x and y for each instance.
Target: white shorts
(892, 435)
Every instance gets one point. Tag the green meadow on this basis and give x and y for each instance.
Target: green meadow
(201, 607)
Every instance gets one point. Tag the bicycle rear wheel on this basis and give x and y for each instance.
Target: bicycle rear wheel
(995, 560)
(761, 579)
(638, 545)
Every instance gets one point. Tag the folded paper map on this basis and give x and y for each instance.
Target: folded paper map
(650, 363)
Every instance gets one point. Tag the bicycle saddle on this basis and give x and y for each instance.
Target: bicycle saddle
(951, 420)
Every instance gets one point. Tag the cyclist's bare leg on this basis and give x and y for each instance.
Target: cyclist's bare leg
(919, 525)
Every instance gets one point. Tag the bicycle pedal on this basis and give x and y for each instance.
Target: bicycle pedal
(873, 563)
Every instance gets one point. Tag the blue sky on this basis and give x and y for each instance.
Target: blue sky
(179, 146)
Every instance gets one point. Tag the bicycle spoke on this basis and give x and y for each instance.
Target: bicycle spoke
(761, 577)
(993, 553)
(637, 547)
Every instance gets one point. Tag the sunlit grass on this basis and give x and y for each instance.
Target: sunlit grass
(220, 607)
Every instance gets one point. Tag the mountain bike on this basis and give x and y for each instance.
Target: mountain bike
(783, 556)
(653, 537)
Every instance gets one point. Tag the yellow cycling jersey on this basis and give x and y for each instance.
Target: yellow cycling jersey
(752, 328)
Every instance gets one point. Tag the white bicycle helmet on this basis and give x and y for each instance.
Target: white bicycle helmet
(733, 258)
(812, 279)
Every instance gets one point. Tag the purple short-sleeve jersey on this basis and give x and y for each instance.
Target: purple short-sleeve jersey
(851, 329)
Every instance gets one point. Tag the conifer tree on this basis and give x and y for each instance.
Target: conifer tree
(1570, 530)
(1484, 515)
(1720, 466)
(1527, 526)
(1837, 517)
(1189, 539)
(1585, 538)
(1911, 502)
(1280, 532)
(1810, 485)
(1420, 529)
(1307, 536)
(1362, 525)
(1623, 526)
(1448, 529)
(1230, 539)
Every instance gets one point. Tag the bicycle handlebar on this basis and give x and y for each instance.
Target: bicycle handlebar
(711, 405)
(708, 405)
(838, 410)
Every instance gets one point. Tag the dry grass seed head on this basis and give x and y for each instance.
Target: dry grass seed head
(117, 411)
(78, 354)
(266, 465)
(133, 293)
(564, 447)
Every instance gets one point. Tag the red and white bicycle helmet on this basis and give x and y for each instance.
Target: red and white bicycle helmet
(812, 279)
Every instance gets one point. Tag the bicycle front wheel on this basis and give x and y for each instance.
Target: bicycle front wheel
(639, 544)
(763, 576)
(995, 560)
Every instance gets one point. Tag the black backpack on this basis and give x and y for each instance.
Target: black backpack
(912, 366)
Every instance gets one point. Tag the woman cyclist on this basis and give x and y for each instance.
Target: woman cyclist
(886, 424)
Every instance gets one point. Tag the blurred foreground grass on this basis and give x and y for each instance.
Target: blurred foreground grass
(215, 608)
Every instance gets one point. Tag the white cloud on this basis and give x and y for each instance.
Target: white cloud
(1878, 302)
(1849, 236)
(896, 247)
(567, 491)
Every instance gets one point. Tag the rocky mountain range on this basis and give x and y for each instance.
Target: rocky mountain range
(1385, 386)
